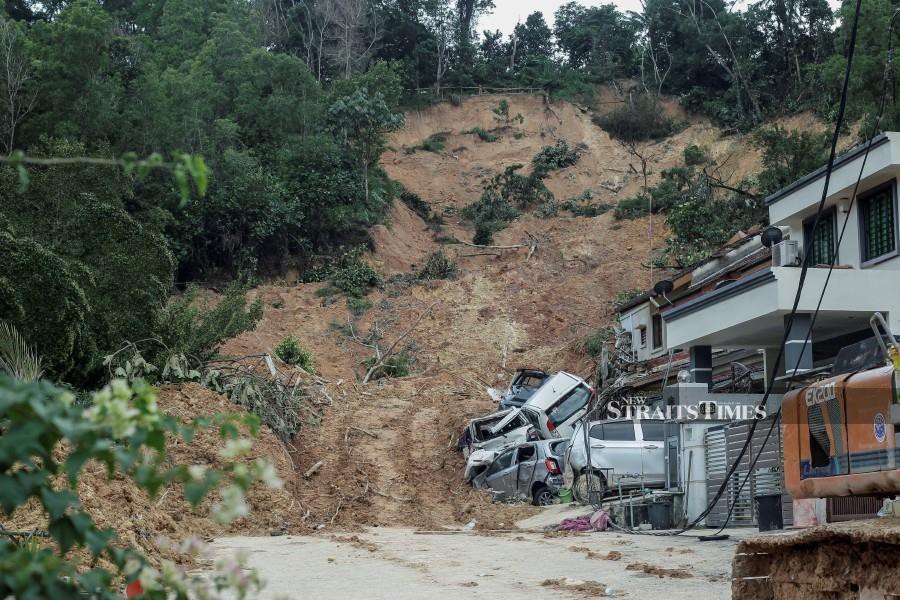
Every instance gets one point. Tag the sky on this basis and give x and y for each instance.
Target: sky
(508, 12)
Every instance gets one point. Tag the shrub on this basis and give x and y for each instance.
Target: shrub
(694, 155)
(559, 156)
(393, 366)
(589, 209)
(190, 325)
(502, 111)
(415, 203)
(438, 266)
(435, 142)
(455, 99)
(485, 135)
(347, 272)
(293, 353)
(356, 279)
(592, 345)
(358, 306)
(632, 208)
(639, 119)
(623, 296)
(484, 234)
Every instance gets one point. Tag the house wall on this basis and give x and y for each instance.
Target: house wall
(632, 321)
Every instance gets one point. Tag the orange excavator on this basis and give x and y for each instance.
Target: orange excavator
(841, 438)
(842, 435)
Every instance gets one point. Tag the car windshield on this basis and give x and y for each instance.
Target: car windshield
(530, 380)
(570, 404)
(502, 462)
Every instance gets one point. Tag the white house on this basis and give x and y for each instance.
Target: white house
(750, 311)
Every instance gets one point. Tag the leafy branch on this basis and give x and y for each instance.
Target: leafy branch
(190, 172)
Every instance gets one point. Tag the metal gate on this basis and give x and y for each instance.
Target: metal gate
(723, 445)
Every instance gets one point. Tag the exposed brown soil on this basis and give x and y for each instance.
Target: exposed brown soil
(388, 447)
(589, 589)
(658, 571)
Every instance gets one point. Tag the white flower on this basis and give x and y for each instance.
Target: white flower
(231, 506)
(268, 475)
(197, 472)
(235, 448)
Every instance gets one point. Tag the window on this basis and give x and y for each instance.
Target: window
(643, 330)
(878, 227)
(821, 245)
(654, 431)
(619, 432)
(504, 461)
(570, 404)
(657, 331)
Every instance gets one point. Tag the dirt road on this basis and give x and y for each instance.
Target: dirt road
(400, 563)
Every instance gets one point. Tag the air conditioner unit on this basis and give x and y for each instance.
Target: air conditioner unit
(786, 254)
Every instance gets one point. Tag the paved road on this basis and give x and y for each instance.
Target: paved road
(401, 564)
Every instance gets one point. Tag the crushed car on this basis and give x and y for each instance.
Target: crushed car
(550, 413)
(525, 382)
(532, 470)
(487, 436)
(624, 453)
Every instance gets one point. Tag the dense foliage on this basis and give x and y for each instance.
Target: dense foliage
(46, 440)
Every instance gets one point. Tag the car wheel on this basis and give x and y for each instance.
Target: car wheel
(589, 488)
(544, 496)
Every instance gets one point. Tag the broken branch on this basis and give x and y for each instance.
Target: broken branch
(313, 469)
(387, 353)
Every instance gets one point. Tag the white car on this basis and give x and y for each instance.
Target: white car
(624, 453)
(558, 404)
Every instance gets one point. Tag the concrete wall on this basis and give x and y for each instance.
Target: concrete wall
(631, 321)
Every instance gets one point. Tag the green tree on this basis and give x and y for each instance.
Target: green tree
(363, 119)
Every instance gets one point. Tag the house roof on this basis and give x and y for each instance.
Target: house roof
(820, 172)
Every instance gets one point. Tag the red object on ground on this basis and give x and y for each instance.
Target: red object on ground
(134, 589)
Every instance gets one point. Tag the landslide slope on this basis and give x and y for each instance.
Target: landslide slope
(387, 448)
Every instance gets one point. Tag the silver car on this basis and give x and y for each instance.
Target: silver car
(532, 470)
(624, 454)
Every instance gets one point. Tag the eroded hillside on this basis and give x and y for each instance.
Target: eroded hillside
(387, 448)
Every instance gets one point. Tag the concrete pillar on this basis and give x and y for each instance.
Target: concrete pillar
(775, 367)
(796, 353)
(701, 364)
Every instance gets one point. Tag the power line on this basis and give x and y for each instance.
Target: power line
(888, 73)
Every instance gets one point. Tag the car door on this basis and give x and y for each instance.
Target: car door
(502, 475)
(526, 457)
(653, 451)
(616, 449)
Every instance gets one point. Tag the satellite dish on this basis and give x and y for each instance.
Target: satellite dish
(771, 236)
(663, 287)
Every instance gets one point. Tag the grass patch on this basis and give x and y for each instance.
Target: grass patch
(484, 134)
(358, 306)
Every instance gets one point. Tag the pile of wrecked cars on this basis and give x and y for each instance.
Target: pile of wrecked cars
(536, 444)
(519, 451)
